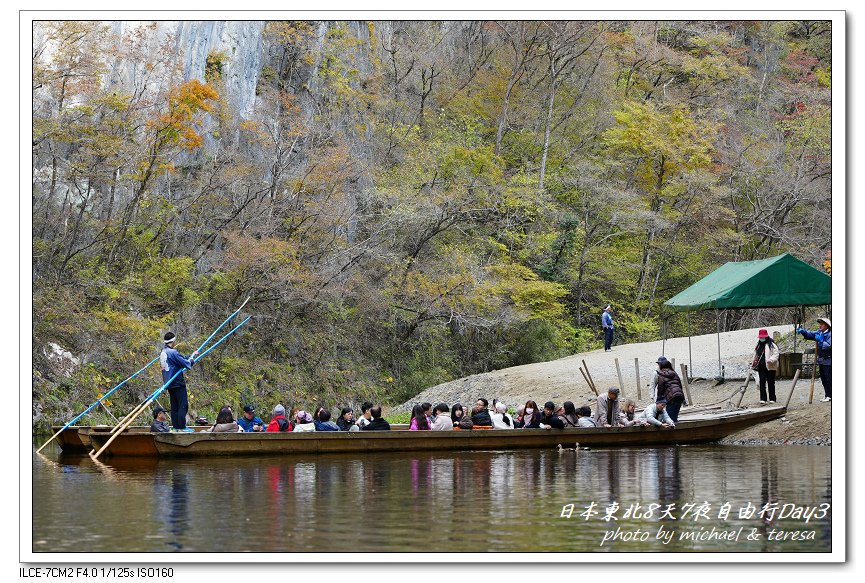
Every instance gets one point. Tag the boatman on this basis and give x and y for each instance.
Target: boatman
(172, 362)
(607, 325)
(823, 336)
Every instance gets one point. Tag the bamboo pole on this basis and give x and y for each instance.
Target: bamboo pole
(619, 373)
(97, 402)
(637, 368)
(813, 378)
(96, 454)
(793, 388)
(585, 366)
(591, 386)
(686, 384)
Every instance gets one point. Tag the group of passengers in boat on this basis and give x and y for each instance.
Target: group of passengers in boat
(663, 413)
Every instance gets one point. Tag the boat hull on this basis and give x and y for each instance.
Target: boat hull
(701, 428)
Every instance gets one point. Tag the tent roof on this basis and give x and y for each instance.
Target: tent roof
(767, 283)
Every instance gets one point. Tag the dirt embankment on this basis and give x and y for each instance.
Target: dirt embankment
(560, 380)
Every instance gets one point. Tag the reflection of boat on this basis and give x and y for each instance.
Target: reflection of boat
(699, 428)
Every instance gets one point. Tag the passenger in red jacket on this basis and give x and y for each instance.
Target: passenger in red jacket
(278, 422)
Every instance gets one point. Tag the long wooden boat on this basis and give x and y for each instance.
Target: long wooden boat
(699, 428)
(75, 439)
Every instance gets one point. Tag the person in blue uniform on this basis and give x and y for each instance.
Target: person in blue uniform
(172, 361)
(823, 337)
(607, 325)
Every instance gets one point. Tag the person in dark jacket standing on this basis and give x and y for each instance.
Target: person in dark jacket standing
(766, 363)
(377, 423)
(823, 336)
(670, 388)
(172, 362)
(607, 325)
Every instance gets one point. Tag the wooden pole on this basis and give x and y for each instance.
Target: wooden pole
(591, 380)
(685, 384)
(591, 386)
(673, 362)
(619, 373)
(793, 388)
(813, 378)
(637, 368)
(745, 388)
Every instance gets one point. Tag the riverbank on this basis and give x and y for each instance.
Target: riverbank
(560, 381)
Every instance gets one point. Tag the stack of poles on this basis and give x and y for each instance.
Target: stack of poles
(132, 416)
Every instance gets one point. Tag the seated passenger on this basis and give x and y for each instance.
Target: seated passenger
(323, 423)
(249, 422)
(607, 413)
(569, 415)
(346, 420)
(657, 415)
(377, 423)
(428, 411)
(303, 422)
(160, 421)
(418, 419)
(531, 416)
(365, 416)
(500, 417)
(442, 420)
(481, 415)
(457, 414)
(628, 415)
(549, 419)
(584, 417)
(278, 422)
(225, 422)
(519, 417)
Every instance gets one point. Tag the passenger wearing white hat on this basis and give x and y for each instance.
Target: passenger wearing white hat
(823, 338)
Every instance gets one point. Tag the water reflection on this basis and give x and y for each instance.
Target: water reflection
(467, 501)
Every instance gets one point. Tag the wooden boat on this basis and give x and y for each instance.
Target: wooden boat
(699, 428)
(76, 438)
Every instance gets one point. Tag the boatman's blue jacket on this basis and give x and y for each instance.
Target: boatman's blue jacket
(172, 361)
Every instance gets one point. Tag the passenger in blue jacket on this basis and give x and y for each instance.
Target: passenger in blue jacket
(249, 421)
(172, 362)
(823, 336)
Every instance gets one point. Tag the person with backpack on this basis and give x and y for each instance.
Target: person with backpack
(278, 421)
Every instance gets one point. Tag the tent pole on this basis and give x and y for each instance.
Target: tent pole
(718, 322)
(664, 341)
(690, 357)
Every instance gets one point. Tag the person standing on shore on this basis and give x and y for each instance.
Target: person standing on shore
(171, 362)
(823, 337)
(766, 355)
(607, 325)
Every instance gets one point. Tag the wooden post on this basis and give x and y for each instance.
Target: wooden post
(745, 389)
(619, 373)
(591, 386)
(591, 380)
(793, 388)
(686, 384)
(673, 362)
(637, 368)
(813, 373)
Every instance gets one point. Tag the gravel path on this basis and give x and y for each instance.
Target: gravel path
(560, 380)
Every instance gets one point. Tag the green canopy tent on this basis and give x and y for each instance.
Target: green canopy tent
(777, 282)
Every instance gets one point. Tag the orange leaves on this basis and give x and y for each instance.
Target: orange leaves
(827, 263)
(185, 102)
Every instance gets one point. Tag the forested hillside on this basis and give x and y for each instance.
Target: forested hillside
(406, 202)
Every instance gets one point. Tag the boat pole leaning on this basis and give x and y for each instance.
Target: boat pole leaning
(138, 408)
(95, 403)
(96, 454)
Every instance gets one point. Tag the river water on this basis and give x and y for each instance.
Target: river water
(500, 501)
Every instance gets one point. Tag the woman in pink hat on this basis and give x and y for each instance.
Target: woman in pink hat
(766, 356)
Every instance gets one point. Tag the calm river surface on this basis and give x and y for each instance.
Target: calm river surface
(433, 502)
